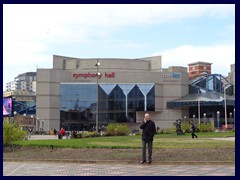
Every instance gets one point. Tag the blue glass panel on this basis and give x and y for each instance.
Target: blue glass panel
(145, 88)
(107, 87)
(126, 88)
(78, 103)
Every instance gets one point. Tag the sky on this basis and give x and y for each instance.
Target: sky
(180, 33)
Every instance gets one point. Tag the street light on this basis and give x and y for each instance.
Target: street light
(37, 124)
(97, 65)
(218, 117)
(185, 117)
(24, 115)
(32, 120)
(204, 115)
(225, 106)
(234, 117)
(194, 118)
(42, 126)
(230, 114)
(14, 113)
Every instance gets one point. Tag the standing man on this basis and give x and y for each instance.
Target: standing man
(149, 130)
(193, 129)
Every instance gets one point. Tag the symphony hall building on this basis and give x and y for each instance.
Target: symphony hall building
(124, 89)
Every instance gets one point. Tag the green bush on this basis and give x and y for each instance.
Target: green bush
(170, 130)
(117, 130)
(186, 126)
(206, 127)
(167, 131)
(87, 134)
(90, 134)
(12, 133)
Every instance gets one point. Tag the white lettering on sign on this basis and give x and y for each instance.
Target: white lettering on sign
(171, 75)
(92, 75)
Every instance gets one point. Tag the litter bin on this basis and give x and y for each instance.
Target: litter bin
(51, 132)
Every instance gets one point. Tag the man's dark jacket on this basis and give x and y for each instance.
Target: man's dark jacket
(149, 130)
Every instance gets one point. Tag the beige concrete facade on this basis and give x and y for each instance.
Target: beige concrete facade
(231, 76)
(170, 84)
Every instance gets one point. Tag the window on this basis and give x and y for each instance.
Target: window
(117, 103)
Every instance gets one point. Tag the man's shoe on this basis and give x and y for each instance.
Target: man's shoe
(149, 162)
(142, 162)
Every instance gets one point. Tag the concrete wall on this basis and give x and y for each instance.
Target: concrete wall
(169, 85)
(115, 64)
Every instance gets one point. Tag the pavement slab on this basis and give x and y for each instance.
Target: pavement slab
(98, 169)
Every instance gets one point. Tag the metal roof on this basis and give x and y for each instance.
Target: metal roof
(210, 98)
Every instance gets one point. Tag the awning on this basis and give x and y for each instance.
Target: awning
(206, 99)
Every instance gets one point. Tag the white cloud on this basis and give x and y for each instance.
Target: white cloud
(71, 22)
(31, 33)
(220, 55)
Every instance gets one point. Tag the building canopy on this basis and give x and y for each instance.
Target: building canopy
(206, 99)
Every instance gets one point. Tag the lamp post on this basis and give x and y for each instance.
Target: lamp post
(199, 108)
(24, 115)
(14, 113)
(185, 117)
(194, 118)
(234, 118)
(204, 115)
(230, 115)
(218, 117)
(42, 126)
(97, 65)
(225, 107)
(37, 124)
(32, 117)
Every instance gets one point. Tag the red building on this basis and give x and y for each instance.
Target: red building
(198, 68)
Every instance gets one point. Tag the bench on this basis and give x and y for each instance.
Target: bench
(135, 131)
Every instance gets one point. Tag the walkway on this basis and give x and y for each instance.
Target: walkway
(73, 169)
(39, 137)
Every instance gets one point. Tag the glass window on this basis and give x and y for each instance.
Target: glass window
(116, 102)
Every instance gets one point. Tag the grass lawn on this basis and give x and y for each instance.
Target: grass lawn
(166, 148)
(161, 141)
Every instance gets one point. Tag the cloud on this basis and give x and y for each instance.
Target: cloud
(68, 23)
(219, 55)
(33, 22)
(32, 33)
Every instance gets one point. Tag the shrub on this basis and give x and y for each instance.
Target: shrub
(170, 130)
(117, 130)
(186, 126)
(138, 133)
(79, 135)
(206, 127)
(90, 134)
(87, 134)
(11, 133)
(167, 131)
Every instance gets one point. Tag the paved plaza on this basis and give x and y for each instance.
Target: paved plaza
(42, 137)
(87, 169)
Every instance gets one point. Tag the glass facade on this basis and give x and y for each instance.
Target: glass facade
(117, 103)
(24, 107)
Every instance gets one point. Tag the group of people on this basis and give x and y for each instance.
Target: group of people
(149, 130)
(62, 133)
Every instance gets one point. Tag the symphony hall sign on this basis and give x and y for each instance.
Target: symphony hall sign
(93, 75)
